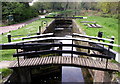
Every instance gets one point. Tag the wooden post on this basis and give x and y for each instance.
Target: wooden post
(38, 33)
(112, 38)
(9, 37)
(40, 30)
(100, 34)
(88, 50)
(107, 59)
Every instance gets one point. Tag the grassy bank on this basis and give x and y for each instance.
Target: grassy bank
(5, 72)
(28, 29)
(110, 27)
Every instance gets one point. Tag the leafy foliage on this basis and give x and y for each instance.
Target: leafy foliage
(20, 11)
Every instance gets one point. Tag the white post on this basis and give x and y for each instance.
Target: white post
(84, 17)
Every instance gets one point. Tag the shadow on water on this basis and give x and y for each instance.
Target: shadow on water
(46, 75)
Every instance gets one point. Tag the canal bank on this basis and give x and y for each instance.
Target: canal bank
(95, 75)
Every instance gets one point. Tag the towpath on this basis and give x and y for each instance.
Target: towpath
(16, 26)
(4, 64)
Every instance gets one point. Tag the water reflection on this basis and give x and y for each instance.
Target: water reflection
(69, 74)
(72, 74)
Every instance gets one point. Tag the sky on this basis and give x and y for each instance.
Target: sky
(32, 2)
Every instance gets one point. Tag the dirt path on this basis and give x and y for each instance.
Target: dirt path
(16, 26)
(4, 64)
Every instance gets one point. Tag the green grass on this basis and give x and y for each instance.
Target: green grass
(114, 61)
(118, 74)
(5, 72)
(28, 29)
(2, 25)
(7, 55)
(110, 27)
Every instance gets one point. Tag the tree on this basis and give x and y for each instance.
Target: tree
(20, 11)
(109, 7)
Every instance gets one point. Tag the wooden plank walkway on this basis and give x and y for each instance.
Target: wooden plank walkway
(67, 61)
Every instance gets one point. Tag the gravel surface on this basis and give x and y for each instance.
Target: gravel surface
(4, 64)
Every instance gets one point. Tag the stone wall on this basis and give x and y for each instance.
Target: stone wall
(21, 75)
(50, 27)
(77, 28)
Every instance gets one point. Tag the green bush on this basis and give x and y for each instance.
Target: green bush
(21, 11)
(116, 16)
(105, 15)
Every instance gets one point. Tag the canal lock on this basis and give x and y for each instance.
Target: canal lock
(62, 28)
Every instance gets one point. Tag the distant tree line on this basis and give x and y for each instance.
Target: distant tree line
(107, 9)
(22, 11)
(19, 10)
(110, 9)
